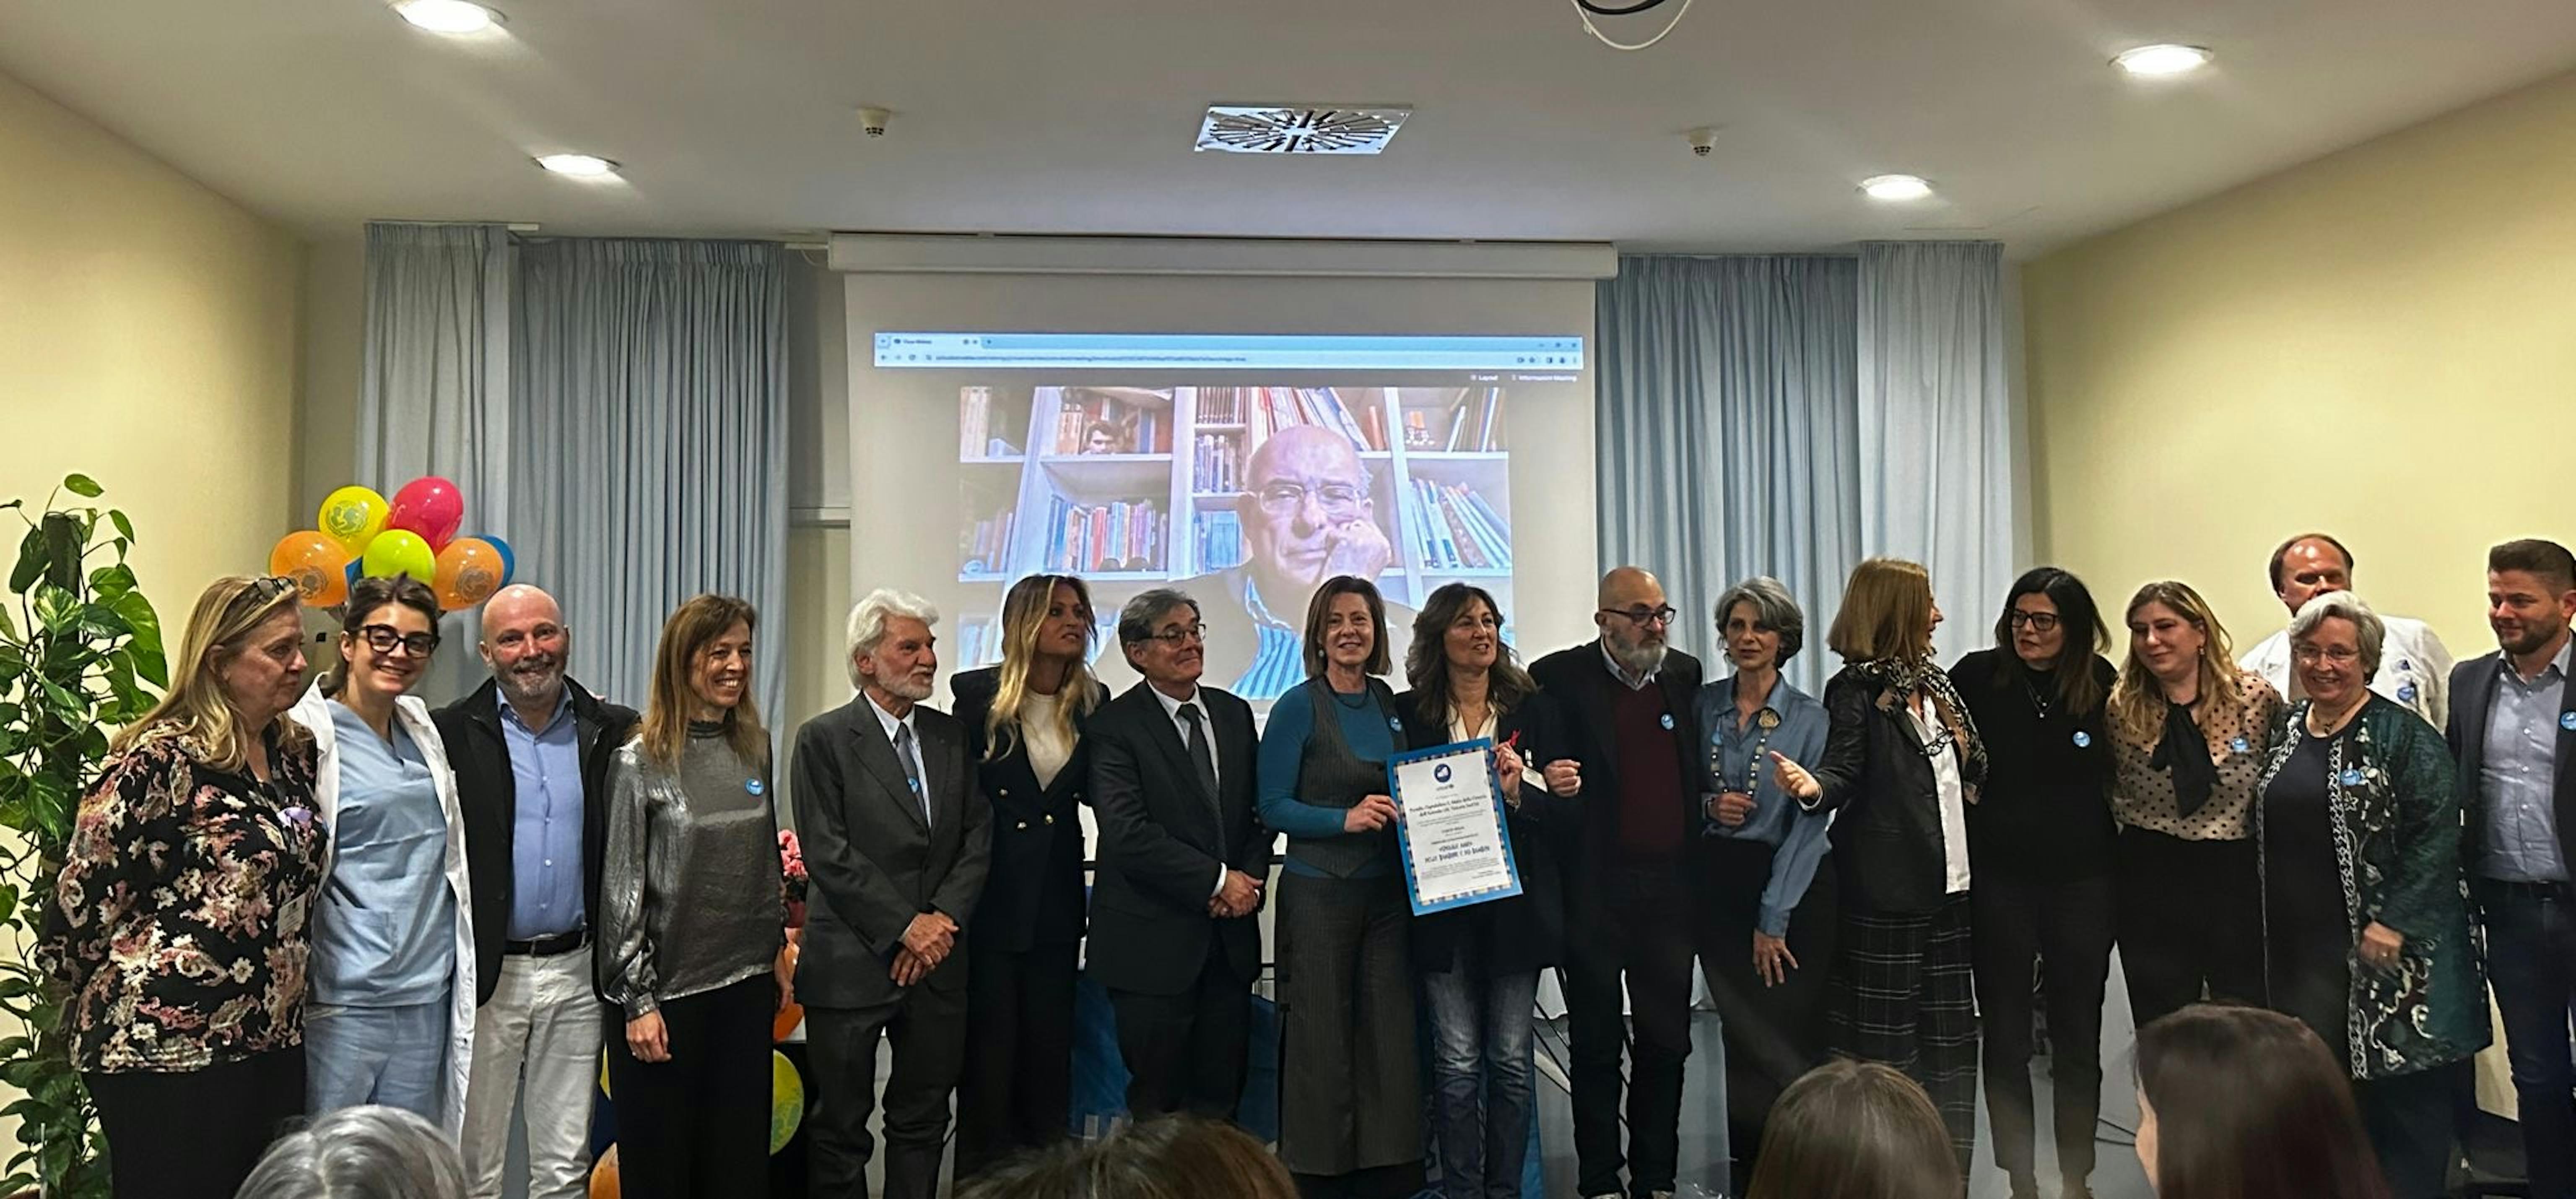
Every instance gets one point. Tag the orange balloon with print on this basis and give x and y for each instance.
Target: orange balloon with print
(316, 563)
(603, 1177)
(469, 571)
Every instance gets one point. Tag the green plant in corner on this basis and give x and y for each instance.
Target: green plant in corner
(78, 646)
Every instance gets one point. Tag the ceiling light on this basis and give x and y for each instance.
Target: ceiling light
(2162, 60)
(1895, 187)
(1299, 128)
(580, 166)
(447, 16)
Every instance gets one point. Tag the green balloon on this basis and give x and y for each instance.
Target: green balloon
(400, 552)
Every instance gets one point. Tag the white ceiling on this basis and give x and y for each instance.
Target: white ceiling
(735, 117)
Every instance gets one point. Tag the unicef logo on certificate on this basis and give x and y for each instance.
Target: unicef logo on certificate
(1441, 772)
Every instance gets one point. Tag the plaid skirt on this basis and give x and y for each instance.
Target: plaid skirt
(1904, 993)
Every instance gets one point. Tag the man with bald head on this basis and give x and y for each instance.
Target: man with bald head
(530, 749)
(1308, 515)
(1631, 738)
(2414, 666)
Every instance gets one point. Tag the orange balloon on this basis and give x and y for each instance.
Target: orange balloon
(317, 564)
(603, 1177)
(469, 571)
(794, 1013)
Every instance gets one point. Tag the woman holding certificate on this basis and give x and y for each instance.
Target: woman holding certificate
(1767, 923)
(1350, 1096)
(1480, 964)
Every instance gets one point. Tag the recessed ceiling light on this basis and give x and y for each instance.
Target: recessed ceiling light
(580, 166)
(2162, 60)
(1895, 187)
(447, 16)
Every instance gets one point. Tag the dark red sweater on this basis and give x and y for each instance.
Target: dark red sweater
(1650, 782)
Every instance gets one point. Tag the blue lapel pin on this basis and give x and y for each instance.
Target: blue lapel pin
(753, 786)
(2083, 739)
(2238, 745)
(2351, 777)
(2406, 693)
(2567, 721)
(1668, 722)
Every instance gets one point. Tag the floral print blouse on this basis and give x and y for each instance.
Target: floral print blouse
(179, 922)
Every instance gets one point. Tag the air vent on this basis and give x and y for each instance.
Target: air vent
(1299, 129)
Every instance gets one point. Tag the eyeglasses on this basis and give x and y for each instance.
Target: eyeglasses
(382, 638)
(261, 593)
(1280, 499)
(1181, 636)
(2038, 622)
(1644, 616)
(2340, 655)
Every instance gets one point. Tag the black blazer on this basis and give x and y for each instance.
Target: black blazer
(470, 731)
(1033, 893)
(1578, 683)
(1887, 835)
(1161, 844)
(870, 864)
(1526, 932)
(2472, 697)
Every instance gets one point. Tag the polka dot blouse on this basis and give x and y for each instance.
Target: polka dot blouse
(2143, 796)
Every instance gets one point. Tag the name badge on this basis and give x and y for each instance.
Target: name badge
(753, 785)
(2083, 739)
(2238, 745)
(1668, 722)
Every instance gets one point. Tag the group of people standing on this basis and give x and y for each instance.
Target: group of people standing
(284, 899)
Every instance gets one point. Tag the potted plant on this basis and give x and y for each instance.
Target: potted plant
(79, 645)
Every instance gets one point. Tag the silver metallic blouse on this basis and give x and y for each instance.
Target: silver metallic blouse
(690, 896)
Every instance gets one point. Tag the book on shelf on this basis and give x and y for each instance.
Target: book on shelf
(1220, 540)
(981, 432)
(1116, 537)
(1216, 466)
(988, 545)
(1475, 420)
(1455, 529)
(1144, 427)
(1271, 409)
(1220, 406)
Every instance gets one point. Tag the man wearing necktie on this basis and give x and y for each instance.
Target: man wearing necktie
(1183, 866)
(897, 838)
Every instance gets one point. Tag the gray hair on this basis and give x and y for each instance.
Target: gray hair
(868, 620)
(1773, 609)
(1136, 620)
(2366, 625)
(359, 1153)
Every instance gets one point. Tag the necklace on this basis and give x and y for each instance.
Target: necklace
(2037, 701)
(1763, 722)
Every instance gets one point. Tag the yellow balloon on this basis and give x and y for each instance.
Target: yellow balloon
(786, 1100)
(399, 552)
(353, 516)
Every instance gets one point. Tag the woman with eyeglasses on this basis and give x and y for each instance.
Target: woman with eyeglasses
(177, 927)
(391, 1017)
(2040, 841)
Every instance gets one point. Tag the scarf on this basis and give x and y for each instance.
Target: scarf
(1904, 677)
(2185, 752)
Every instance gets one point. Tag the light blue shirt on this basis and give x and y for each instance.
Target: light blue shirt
(1740, 756)
(545, 824)
(385, 935)
(2518, 770)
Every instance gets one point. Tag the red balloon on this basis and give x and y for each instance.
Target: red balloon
(430, 506)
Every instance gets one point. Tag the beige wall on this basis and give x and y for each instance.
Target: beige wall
(2380, 343)
(147, 338)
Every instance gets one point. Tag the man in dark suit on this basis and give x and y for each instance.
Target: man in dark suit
(530, 749)
(1182, 865)
(1631, 733)
(897, 838)
(2513, 731)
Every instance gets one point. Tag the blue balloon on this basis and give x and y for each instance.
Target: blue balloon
(509, 559)
(354, 571)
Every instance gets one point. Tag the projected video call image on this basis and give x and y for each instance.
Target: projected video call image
(1246, 496)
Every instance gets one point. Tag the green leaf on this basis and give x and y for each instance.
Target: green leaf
(124, 527)
(112, 581)
(83, 486)
(31, 560)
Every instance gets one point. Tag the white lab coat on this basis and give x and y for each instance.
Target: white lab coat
(2414, 668)
(314, 713)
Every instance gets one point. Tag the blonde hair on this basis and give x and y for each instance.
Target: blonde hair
(195, 709)
(1024, 616)
(665, 727)
(1886, 613)
(2138, 699)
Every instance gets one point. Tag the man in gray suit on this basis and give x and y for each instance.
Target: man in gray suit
(897, 838)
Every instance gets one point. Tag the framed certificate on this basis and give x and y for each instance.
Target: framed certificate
(1456, 846)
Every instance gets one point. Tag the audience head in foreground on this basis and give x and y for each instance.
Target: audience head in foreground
(2242, 1103)
(1855, 1130)
(360, 1153)
(1175, 1157)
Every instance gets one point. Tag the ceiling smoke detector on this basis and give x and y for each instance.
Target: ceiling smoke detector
(1299, 129)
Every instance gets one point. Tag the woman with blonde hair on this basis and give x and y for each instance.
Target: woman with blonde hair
(1902, 762)
(2188, 738)
(693, 918)
(177, 926)
(1024, 722)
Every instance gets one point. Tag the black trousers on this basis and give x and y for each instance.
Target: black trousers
(1773, 1034)
(1016, 1091)
(928, 1029)
(2065, 929)
(2190, 918)
(2408, 1118)
(697, 1126)
(195, 1134)
(1190, 1051)
(1635, 924)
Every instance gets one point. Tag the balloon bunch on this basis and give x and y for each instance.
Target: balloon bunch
(359, 534)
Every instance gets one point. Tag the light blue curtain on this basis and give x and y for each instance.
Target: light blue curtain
(1936, 425)
(1727, 418)
(649, 410)
(434, 396)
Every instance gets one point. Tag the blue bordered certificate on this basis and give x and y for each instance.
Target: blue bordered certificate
(1457, 849)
